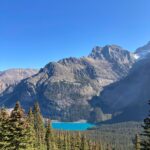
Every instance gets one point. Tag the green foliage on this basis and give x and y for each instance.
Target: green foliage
(39, 127)
(137, 142)
(4, 129)
(31, 130)
(119, 136)
(145, 144)
(49, 138)
(28, 132)
(84, 145)
(78, 141)
(19, 130)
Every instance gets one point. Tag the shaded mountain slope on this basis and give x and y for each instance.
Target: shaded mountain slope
(127, 99)
(64, 88)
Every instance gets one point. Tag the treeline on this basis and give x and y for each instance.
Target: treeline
(19, 131)
(142, 141)
(120, 136)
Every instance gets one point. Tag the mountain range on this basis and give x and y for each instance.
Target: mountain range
(111, 83)
(11, 77)
(129, 97)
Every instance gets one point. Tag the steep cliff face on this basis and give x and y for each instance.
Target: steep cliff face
(64, 88)
(11, 77)
(128, 98)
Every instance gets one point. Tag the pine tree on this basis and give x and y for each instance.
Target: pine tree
(18, 130)
(89, 145)
(145, 144)
(72, 142)
(68, 140)
(93, 146)
(65, 144)
(60, 140)
(100, 146)
(39, 128)
(78, 141)
(108, 147)
(49, 138)
(84, 145)
(137, 142)
(4, 132)
(30, 117)
(31, 131)
(27, 132)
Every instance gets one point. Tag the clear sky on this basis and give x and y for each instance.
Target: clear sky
(35, 32)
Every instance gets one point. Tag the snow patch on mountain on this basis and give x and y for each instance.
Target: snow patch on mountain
(142, 52)
(136, 56)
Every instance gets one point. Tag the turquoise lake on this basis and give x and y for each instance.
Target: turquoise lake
(71, 126)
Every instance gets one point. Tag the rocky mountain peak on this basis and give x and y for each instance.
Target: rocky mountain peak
(143, 51)
(50, 66)
(70, 60)
(146, 47)
(112, 53)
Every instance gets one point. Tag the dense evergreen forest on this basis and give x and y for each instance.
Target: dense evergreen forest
(20, 131)
(31, 132)
(120, 136)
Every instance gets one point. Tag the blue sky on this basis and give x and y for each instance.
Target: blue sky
(35, 32)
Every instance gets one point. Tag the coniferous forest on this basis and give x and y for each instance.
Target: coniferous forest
(21, 131)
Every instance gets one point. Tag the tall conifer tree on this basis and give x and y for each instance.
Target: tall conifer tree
(39, 128)
(4, 129)
(31, 131)
(137, 142)
(49, 137)
(145, 144)
(18, 129)
(84, 145)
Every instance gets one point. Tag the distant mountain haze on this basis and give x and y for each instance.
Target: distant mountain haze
(11, 77)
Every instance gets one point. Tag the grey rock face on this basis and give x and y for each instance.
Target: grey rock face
(143, 48)
(112, 53)
(64, 88)
(128, 97)
(12, 77)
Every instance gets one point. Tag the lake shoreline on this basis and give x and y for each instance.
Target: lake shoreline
(72, 126)
(79, 121)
